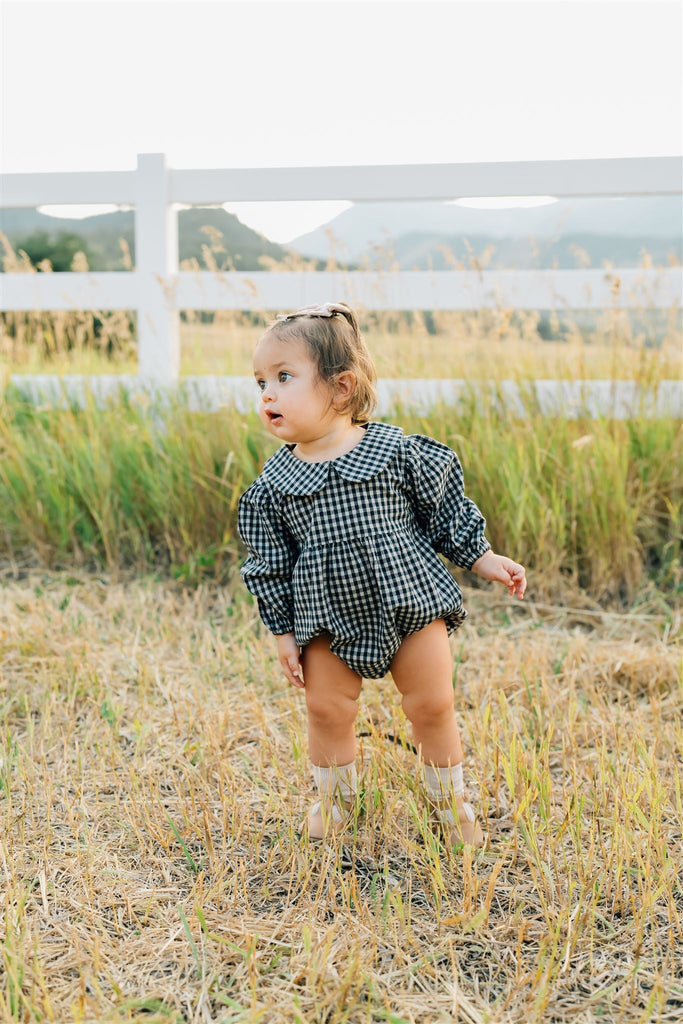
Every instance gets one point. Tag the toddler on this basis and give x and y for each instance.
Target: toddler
(342, 529)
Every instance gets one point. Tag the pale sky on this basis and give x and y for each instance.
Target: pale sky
(89, 85)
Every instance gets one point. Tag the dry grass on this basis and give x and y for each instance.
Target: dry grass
(154, 779)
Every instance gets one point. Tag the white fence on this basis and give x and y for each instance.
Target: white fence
(157, 290)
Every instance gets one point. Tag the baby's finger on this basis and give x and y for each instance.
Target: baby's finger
(289, 672)
(296, 674)
(516, 581)
(292, 679)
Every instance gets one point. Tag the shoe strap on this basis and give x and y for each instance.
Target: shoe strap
(446, 815)
(336, 813)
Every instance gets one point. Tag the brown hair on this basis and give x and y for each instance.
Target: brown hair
(333, 338)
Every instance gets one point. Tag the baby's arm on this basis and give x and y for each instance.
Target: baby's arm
(450, 520)
(288, 655)
(502, 569)
(267, 572)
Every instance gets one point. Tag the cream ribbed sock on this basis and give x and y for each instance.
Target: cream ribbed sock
(340, 778)
(442, 783)
(335, 780)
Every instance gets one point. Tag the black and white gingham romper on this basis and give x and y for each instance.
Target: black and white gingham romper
(349, 546)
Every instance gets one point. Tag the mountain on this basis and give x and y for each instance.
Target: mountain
(420, 235)
(243, 247)
(366, 228)
(419, 251)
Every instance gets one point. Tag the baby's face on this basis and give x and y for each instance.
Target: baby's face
(296, 405)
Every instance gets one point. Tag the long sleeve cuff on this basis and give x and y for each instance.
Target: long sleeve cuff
(474, 553)
(277, 622)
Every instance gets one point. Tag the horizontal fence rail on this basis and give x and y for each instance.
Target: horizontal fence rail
(399, 290)
(620, 176)
(572, 399)
(157, 290)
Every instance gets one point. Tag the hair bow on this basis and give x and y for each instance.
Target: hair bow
(327, 309)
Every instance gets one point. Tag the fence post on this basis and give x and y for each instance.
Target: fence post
(156, 261)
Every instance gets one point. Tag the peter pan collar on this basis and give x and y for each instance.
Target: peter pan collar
(292, 475)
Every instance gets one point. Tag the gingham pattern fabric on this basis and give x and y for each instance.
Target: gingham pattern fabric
(350, 547)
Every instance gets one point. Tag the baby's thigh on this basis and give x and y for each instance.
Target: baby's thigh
(423, 664)
(327, 678)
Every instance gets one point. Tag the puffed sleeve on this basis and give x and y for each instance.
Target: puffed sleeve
(450, 520)
(267, 572)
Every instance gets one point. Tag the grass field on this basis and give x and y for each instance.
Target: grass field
(153, 764)
(154, 779)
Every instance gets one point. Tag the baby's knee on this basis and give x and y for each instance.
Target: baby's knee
(427, 708)
(330, 709)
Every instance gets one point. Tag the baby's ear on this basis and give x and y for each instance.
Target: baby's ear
(344, 385)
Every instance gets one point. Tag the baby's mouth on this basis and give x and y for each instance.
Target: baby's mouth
(275, 417)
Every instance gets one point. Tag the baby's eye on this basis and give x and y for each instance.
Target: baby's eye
(283, 374)
(260, 384)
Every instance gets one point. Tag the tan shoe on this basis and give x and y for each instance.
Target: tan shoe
(329, 817)
(465, 829)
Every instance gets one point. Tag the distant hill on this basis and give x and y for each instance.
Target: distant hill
(414, 231)
(243, 246)
(445, 252)
(414, 235)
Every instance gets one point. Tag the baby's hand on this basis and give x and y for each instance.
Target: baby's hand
(502, 569)
(288, 654)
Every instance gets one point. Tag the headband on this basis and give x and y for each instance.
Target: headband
(328, 309)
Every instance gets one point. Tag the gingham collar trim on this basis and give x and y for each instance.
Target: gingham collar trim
(291, 475)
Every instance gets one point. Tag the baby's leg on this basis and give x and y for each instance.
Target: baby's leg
(423, 673)
(332, 690)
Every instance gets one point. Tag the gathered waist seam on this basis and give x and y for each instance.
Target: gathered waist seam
(336, 541)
